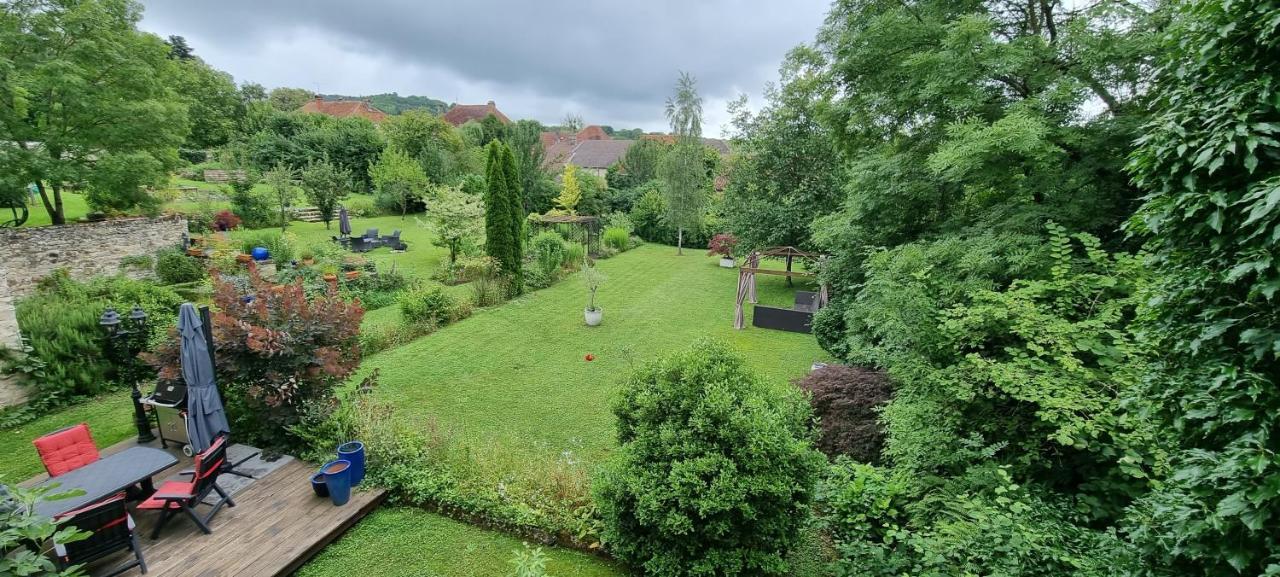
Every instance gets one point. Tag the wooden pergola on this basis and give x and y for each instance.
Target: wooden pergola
(747, 278)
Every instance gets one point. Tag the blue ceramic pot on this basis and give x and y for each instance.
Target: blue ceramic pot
(353, 452)
(318, 485)
(260, 253)
(337, 477)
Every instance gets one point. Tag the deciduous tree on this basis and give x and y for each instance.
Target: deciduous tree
(570, 190)
(682, 169)
(325, 185)
(283, 183)
(399, 178)
(455, 216)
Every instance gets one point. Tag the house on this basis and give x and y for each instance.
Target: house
(593, 156)
(460, 114)
(344, 109)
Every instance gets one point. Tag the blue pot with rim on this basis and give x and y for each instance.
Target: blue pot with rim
(318, 485)
(337, 478)
(354, 452)
(260, 253)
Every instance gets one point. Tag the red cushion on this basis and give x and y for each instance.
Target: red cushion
(168, 488)
(67, 449)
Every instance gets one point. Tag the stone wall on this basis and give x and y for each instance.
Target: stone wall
(85, 250)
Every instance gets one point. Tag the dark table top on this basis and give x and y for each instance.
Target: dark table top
(104, 478)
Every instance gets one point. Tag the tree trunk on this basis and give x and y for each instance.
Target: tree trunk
(789, 283)
(48, 205)
(680, 241)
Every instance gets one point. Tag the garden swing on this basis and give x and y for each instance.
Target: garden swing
(798, 318)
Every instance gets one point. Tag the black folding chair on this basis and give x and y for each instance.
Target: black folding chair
(111, 530)
(174, 497)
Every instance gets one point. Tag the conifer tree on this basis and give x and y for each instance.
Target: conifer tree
(515, 208)
(497, 216)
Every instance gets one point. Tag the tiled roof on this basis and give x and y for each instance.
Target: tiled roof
(460, 114)
(593, 132)
(599, 153)
(344, 108)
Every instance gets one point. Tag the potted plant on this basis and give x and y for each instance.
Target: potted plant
(593, 278)
(352, 274)
(308, 257)
(723, 245)
(243, 258)
(330, 273)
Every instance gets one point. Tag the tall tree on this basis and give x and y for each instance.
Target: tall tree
(498, 242)
(179, 49)
(287, 99)
(399, 178)
(1210, 161)
(434, 143)
(80, 84)
(525, 139)
(325, 185)
(683, 173)
(785, 168)
(516, 216)
(283, 183)
(214, 104)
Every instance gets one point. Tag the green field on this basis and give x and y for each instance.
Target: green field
(516, 374)
(401, 542)
(110, 419)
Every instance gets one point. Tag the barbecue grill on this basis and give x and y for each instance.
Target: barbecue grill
(169, 403)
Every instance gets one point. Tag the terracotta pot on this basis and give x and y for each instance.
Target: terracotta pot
(195, 251)
(244, 258)
(330, 277)
(353, 275)
(308, 261)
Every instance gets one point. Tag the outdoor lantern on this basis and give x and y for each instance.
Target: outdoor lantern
(138, 317)
(110, 321)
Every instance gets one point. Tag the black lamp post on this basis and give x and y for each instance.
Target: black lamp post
(125, 341)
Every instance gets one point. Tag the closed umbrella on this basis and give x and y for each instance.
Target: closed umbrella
(205, 416)
(344, 222)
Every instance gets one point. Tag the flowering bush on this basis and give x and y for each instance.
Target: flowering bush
(277, 352)
(722, 244)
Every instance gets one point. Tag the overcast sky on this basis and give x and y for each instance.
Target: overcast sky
(611, 62)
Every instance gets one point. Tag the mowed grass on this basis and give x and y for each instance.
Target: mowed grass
(402, 542)
(422, 258)
(517, 374)
(110, 419)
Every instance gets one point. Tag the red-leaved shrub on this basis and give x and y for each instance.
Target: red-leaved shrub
(722, 244)
(279, 354)
(225, 220)
(845, 400)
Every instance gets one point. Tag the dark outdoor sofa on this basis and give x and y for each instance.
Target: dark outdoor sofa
(797, 319)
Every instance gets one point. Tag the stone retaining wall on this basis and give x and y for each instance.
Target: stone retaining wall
(85, 250)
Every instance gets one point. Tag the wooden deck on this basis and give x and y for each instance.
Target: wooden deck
(277, 525)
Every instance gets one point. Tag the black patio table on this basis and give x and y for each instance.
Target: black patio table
(106, 477)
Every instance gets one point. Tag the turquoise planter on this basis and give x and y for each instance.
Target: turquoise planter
(353, 452)
(337, 477)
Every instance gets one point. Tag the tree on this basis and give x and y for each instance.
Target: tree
(492, 129)
(572, 123)
(516, 216)
(325, 185)
(214, 104)
(499, 242)
(179, 49)
(287, 99)
(252, 92)
(785, 169)
(570, 191)
(434, 143)
(641, 162)
(1210, 163)
(682, 170)
(283, 182)
(455, 216)
(399, 178)
(81, 83)
(525, 139)
(713, 473)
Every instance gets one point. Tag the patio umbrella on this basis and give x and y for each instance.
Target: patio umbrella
(205, 415)
(344, 222)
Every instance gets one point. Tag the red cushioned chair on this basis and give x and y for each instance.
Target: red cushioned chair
(176, 497)
(110, 530)
(66, 449)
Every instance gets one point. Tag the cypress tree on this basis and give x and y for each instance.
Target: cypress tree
(515, 207)
(497, 215)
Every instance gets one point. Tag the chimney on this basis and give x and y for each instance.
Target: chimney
(491, 104)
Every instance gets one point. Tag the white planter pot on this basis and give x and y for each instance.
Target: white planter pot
(726, 262)
(593, 317)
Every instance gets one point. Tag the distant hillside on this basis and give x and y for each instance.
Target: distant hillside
(395, 104)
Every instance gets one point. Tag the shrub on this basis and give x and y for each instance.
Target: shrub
(281, 246)
(361, 206)
(376, 289)
(226, 220)
(548, 251)
(535, 278)
(574, 255)
(619, 220)
(616, 238)
(714, 472)
(845, 399)
(176, 267)
(428, 304)
(61, 322)
(277, 353)
(488, 288)
(251, 205)
(722, 244)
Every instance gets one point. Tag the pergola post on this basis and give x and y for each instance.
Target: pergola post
(738, 320)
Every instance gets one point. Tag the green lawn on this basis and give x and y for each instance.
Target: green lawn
(421, 259)
(110, 419)
(402, 542)
(516, 374)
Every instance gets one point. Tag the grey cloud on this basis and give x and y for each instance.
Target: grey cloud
(614, 60)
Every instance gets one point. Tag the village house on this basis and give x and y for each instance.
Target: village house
(460, 114)
(344, 109)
